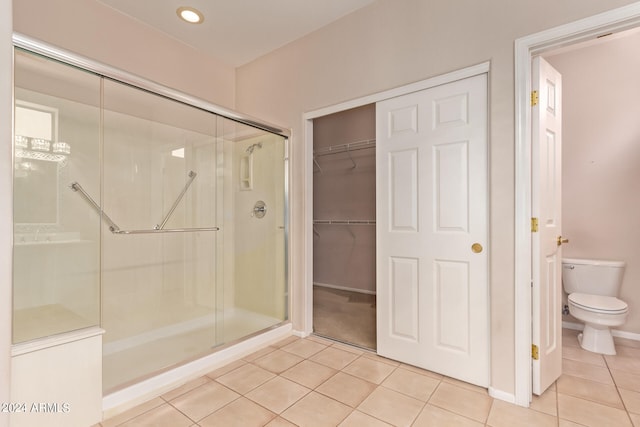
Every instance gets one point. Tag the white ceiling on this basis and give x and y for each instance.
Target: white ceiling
(239, 31)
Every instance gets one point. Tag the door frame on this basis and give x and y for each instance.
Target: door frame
(615, 20)
(6, 207)
(307, 288)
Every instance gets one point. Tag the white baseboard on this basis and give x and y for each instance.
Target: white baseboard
(344, 288)
(573, 326)
(300, 334)
(620, 334)
(624, 334)
(502, 395)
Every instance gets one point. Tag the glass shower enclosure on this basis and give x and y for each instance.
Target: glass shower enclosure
(158, 220)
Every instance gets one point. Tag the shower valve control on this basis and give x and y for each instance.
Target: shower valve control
(259, 209)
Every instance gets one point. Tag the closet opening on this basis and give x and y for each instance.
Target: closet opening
(344, 226)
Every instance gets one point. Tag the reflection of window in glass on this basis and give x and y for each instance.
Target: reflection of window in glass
(36, 128)
(34, 121)
(37, 159)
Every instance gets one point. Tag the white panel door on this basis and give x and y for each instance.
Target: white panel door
(432, 287)
(546, 206)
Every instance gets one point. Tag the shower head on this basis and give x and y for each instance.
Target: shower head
(253, 147)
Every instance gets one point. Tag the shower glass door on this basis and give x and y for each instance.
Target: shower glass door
(194, 249)
(161, 222)
(256, 295)
(161, 279)
(56, 249)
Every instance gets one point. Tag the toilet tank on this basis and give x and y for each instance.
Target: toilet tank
(592, 276)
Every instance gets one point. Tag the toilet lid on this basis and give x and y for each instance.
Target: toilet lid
(598, 303)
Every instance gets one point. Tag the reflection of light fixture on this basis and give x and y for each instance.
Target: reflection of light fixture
(22, 141)
(40, 149)
(190, 15)
(61, 147)
(40, 144)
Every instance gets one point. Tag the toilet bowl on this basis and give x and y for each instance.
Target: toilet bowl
(593, 287)
(599, 313)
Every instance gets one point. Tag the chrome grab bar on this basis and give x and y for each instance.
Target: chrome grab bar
(192, 175)
(165, 230)
(78, 189)
(113, 227)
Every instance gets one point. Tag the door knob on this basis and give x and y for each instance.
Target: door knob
(560, 240)
(476, 248)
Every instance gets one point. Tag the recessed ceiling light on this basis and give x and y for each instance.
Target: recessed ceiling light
(190, 15)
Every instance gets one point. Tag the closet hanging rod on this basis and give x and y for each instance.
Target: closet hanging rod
(342, 148)
(315, 162)
(345, 221)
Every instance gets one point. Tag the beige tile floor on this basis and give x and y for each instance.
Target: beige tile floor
(316, 382)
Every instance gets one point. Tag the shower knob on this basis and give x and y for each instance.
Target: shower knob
(259, 209)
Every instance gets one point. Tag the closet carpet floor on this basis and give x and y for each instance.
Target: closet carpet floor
(345, 316)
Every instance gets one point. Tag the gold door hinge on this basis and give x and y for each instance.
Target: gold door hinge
(534, 352)
(534, 225)
(534, 98)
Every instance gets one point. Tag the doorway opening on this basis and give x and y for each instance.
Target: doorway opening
(344, 232)
(386, 207)
(566, 36)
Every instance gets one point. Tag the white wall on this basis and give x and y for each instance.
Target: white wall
(392, 43)
(66, 372)
(98, 32)
(6, 225)
(601, 158)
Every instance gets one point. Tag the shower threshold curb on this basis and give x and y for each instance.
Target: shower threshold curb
(128, 397)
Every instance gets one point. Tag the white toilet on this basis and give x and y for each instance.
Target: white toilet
(593, 286)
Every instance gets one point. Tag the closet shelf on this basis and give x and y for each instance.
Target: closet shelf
(344, 221)
(343, 148)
